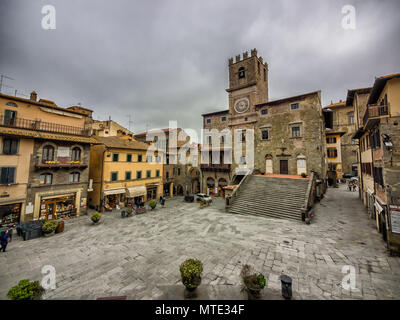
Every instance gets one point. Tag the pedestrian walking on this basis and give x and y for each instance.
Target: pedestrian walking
(4, 240)
(162, 201)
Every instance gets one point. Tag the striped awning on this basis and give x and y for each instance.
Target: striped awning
(136, 191)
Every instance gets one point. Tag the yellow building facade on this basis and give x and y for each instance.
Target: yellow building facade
(123, 173)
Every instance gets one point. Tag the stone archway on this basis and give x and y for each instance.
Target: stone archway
(210, 185)
(195, 179)
(221, 184)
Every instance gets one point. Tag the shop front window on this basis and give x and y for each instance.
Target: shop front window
(9, 214)
(55, 208)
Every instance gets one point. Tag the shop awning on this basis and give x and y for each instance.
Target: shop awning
(136, 191)
(114, 191)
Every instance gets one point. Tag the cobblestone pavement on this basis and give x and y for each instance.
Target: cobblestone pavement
(139, 256)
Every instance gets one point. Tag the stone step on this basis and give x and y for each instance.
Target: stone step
(269, 215)
(267, 209)
(271, 197)
(267, 206)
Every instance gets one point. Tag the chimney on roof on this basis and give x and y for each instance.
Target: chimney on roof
(33, 96)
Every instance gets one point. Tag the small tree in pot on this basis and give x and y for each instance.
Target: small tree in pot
(95, 217)
(191, 270)
(253, 282)
(49, 227)
(26, 290)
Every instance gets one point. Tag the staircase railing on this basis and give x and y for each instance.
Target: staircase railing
(306, 210)
(230, 199)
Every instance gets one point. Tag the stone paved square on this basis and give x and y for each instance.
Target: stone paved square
(139, 256)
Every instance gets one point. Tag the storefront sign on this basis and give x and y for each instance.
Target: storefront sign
(63, 152)
(395, 219)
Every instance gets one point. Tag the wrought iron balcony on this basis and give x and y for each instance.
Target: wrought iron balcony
(375, 111)
(39, 125)
(216, 167)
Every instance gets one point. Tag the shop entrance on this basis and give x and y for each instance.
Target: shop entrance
(60, 207)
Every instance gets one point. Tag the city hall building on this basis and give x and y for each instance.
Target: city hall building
(289, 133)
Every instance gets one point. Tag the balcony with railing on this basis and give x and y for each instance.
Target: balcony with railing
(216, 167)
(375, 111)
(38, 125)
(58, 163)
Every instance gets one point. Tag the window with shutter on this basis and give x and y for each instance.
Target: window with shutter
(7, 175)
(10, 146)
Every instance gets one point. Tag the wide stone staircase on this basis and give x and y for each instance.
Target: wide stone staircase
(271, 197)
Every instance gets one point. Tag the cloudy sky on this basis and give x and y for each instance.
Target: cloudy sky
(163, 60)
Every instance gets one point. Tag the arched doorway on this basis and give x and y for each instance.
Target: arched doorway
(268, 164)
(221, 184)
(195, 185)
(195, 176)
(211, 185)
(179, 190)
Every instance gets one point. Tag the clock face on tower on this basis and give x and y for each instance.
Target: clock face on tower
(242, 105)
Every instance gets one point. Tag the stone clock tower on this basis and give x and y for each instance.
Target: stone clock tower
(248, 86)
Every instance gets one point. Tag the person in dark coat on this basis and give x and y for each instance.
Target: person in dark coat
(4, 241)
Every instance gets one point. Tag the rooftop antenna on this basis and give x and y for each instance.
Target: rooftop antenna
(129, 122)
(1, 81)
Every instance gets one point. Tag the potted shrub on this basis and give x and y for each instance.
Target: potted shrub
(253, 282)
(191, 270)
(95, 217)
(26, 290)
(152, 204)
(49, 227)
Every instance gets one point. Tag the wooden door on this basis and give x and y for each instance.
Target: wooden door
(284, 167)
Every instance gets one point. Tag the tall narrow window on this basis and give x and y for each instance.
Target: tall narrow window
(7, 175)
(10, 146)
(76, 154)
(10, 117)
(296, 132)
(46, 178)
(48, 153)
(74, 177)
